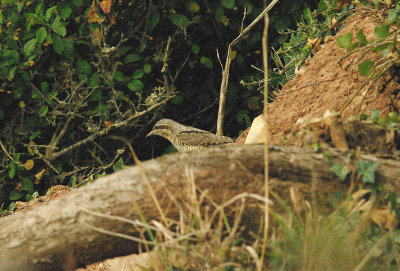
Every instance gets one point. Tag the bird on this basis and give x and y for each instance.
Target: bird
(187, 138)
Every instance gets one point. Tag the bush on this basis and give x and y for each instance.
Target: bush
(74, 71)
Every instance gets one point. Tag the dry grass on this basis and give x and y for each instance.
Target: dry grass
(205, 238)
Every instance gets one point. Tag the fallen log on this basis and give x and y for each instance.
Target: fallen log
(60, 233)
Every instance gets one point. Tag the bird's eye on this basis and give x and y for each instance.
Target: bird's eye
(161, 126)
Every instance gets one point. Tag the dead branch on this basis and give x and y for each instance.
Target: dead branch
(73, 228)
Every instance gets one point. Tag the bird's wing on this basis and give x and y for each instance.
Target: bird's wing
(202, 138)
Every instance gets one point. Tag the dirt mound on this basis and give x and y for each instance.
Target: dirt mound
(329, 82)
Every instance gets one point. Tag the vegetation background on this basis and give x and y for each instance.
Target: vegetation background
(74, 72)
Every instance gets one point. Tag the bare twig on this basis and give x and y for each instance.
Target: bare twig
(164, 69)
(4, 149)
(225, 72)
(106, 130)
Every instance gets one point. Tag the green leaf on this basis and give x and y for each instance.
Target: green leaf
(82, 77)
(316, 147)
(41, 34)
(340, 171)
(307, 14)
(154, 21)
(365, 68)
(178, 99)
(135, 85)
(195, 48)
(147, 68)
(124, 49)
(281, 24)
(58, 27)
(169, 149)
(193, 6)
(44, 86)
(118, 165)
(361, 37)
(65, 10)
(393, 16)
(34, 135)
(12, 169)
(43, 110)
(229, 4)
(393, 117)
(179, 20)
(243, 117)
(119, 76)
(131, 58)
(192, 64)
(11, 207)
(39, 9)
(77, 3)
(83, 67)
(11, 73)
(101, 109)
(367, 169)
(94, 80)
(345, 41)
(206, 62)
(35, 94)
(138, 74)
(15, 195)
(18, 93)
(219, 14)
(382, 31)
(369, 177)
(30, 46)
(58, 45)
(12, 56)
(27, 185)
(375, 115)
(96, 96)
(81, 31)
(142, 47)
(34, 195)
(49, 12)
(69, 48)
(51, 97)
(323, 5)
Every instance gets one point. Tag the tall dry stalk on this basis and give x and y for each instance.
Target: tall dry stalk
(266, 140)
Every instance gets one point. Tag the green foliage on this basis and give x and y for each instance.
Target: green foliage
(60, 66)
(340, 170)
(367, 170)
(70, 70)
(119, 165)
(385, 42)
(336, 239)
(345, 41)
(311, 31)
(4, 210)
(390, 122)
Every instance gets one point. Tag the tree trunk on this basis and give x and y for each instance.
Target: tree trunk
(60, 233)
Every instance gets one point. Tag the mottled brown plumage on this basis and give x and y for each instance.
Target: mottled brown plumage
(186, 138)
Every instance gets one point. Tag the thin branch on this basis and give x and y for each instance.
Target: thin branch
(225, 72)
(106, 130)
(4, 149)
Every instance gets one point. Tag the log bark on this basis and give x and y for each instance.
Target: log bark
(58, 233)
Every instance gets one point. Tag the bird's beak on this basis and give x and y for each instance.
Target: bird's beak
(154, 132)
